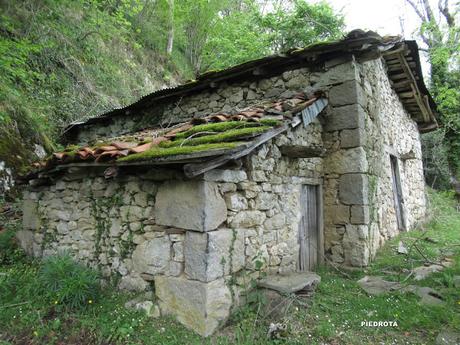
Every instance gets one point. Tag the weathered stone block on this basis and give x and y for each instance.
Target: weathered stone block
(275, 222)
(352, 138)
(359, 214)
(340, 214)
(193, 205)
(132, 283)
(225, 175)
(354, 189)
(349, 92)
(345, 117)
(201, 307)
(152, 256)
(336, 74)
(30, 218)
(236, 202)
(347, 161)
(265, 201)
(356, 253)
(248, 219)
(26, 240)
(214, 254)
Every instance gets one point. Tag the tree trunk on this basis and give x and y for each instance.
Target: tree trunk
(169, 46)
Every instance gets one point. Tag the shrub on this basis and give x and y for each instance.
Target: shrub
(68, 284)
(10, 252)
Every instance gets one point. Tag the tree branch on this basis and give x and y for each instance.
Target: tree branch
(416, 9)
(428, 10)
(445, 12)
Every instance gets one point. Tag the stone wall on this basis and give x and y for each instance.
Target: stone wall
(390, 131)
(365, 124)
(225, 98)
(263, 199)
(197, 240)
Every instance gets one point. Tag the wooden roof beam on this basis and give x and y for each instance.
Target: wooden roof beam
(415, 90)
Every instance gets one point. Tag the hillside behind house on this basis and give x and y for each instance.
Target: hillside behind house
(68, 60)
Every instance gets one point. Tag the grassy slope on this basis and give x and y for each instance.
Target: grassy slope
(332, 316)
(68, 60)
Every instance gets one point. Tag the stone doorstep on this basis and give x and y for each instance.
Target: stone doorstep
(290, 283)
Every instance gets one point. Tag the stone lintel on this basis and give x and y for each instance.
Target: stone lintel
(192, 205)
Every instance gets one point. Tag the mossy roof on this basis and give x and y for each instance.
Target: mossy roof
(214, 134)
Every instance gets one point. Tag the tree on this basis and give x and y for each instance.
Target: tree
(244, 30)
(302, 25)
(440, 33)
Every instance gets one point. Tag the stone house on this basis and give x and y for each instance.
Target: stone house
(275, 165)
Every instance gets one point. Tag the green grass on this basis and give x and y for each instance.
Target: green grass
(225, 126)
(230, 135)
(332, 316)
(339, 305)
(157, 152)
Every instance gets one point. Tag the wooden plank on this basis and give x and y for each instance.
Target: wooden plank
(298, 151)
(417, 94)
(401, 84)
(406, 94)
(393, 62)
(312, 227)
(395, 68)
(302, 234)
(320, 224)
(397, 76)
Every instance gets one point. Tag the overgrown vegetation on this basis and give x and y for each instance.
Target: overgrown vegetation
(157, 152)
(225, 126)
(68, 60)
(210, 138)
(440, 34)
(68, 284)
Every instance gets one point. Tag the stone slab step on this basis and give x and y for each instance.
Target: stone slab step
(290, 283)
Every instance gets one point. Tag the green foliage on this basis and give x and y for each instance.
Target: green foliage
(441, 34)
(236, 37)
(245, 32)
(10, 253)
(157, 152)
(62, 61)
(305, 24)
(67, 284)
(225, 126)
(68, 60)
(230, 135)
(435, 159)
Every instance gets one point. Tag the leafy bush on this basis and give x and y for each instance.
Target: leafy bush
(10, 252)
(69, 284)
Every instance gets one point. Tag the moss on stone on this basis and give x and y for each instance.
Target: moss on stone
(231, 135)
(225, 126)
(157, 152)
